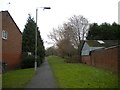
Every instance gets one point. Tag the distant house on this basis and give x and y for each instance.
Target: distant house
(91, 45)
(11, 41)
(101, 53)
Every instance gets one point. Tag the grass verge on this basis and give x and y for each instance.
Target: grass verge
(81, 76)
(17, 78)
(0, 81)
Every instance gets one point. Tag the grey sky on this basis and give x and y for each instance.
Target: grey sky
(98, 11)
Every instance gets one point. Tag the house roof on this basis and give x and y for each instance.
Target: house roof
(102, 43)
(11, 19)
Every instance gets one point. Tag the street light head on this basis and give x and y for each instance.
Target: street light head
(47, 7)
(43, 8)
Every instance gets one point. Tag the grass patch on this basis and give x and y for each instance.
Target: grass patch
(81, 76)
(0, 81)
(17, 78)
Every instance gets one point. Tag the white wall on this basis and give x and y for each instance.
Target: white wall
(86, 49)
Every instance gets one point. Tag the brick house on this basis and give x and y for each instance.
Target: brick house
(11, 41)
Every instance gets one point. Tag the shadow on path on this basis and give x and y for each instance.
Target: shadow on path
(43, 78)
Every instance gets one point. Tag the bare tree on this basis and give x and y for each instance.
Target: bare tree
(57, 34)
(80, 27)
(71, 34)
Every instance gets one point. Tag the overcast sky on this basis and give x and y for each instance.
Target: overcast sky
(98, 11)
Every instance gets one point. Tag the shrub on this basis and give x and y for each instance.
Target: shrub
(3, 66)
(27, 62)
(73, 59)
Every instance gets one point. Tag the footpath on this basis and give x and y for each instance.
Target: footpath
(43, 77)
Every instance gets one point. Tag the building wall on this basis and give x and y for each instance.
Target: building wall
(11, 48)
(105, 58)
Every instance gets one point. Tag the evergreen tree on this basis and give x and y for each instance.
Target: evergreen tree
(28, 42)
(40, 49)
(28, 38)
(104, 31)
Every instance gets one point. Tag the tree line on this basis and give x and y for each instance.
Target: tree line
(105, 31)
(70, 36)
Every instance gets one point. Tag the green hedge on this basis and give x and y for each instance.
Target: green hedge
(73, 59)
(28, 61)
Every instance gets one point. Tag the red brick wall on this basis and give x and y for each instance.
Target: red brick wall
(11, 48)
(12, 59)
(105, 58)
(86, 60)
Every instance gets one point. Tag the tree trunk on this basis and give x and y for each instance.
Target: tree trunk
(80, 50)
(80, 57)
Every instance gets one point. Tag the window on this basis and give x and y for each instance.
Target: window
(4, 34)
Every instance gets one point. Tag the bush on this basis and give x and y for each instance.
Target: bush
(73, 59)
(3, 66)
(27, 62)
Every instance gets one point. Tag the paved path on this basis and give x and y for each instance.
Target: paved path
(43, 78)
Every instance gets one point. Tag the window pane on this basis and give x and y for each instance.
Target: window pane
(4, 34)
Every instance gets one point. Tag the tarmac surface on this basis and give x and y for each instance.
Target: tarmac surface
(43, 77)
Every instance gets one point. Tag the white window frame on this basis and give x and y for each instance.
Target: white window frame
(4, 34)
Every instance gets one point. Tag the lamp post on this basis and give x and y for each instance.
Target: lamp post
(36, 36)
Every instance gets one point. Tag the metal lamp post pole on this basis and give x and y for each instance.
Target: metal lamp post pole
(36, 36)
(36, 42)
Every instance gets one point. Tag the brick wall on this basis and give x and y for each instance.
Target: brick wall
(11, 47)
(105, 58)
(86, 60)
